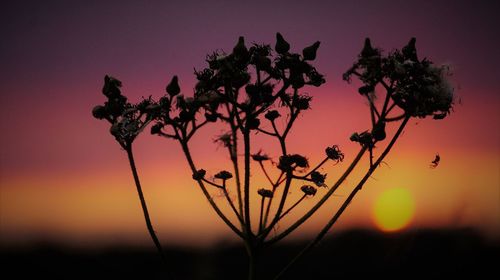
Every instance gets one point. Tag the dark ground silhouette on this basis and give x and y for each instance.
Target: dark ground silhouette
(424, 254)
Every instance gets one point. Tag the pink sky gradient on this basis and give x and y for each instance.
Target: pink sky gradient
(63, 175)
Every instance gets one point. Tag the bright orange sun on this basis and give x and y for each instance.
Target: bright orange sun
(393, 209)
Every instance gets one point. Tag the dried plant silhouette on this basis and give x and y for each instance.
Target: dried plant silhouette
(248, 91)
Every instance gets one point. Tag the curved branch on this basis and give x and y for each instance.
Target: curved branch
(149, 225)
(185, 149)
(319, 203)
(346, 203)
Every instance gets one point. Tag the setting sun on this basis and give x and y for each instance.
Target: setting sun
(393, 209)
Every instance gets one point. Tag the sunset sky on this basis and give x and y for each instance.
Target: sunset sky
(63, 178)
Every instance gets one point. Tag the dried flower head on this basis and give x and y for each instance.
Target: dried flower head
(308, 190)
(363, 138)
(156, 128)
(290, 162)
(260, 157)
(173, 88)
(272, 115)
(99, 112)
(318, 178)
(419, 87)
(334, 153)
(224, 175)
(199, 174)
(224, 139)
(265, 193)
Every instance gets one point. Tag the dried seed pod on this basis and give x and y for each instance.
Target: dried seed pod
(199, 174)
(309, 53)
(224, 175)
(265, 193)
(282, 46)
(308, 190)
(173, 88)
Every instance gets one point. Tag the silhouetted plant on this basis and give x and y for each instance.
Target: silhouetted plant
(248, 90)
(127, 121)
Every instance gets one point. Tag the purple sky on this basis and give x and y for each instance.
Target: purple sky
(54, 54)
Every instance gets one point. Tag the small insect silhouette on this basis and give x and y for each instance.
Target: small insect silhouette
(435, 162)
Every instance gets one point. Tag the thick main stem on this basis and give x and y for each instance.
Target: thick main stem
(149, 225)
(252, 261)
(346, 203)
(234, 160)
(246, 184)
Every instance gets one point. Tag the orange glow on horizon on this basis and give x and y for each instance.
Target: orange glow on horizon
(91, 201)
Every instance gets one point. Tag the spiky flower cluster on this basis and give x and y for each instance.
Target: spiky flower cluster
(418, 87)
(243, 88)
(127, 120)
(227, 81)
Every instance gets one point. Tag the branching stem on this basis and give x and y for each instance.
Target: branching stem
(346, 203)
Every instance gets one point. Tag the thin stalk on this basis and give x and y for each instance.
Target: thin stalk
(270, 201)
(226, 194)
(268, 229)
(346, 203)
(400, 117)
(233, 153)
(149, 225)
(319, 203)
(390, 108)
(268, 208)
(293, 206)
(265, 173)
(315, 168)
(234, 160)
(187, 153)
(372, 114)
(387, 97)
(212, 183)
(261, 213)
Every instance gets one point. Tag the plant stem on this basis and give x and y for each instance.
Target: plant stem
(265, 173)
(234, 159)
(315, 168)
(261, 213)
(270, 201)
(319, 203)
(185, 149)
(149, 225)
(280, 207)
(346, 203)
(246, 183)
(293, 206)
(252, 260)
(226, 194)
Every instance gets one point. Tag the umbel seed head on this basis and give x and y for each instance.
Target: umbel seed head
(224, 175)
(199, 174)
(265, 193)
(308, 190)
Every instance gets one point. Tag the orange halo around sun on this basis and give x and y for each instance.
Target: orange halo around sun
(393, 209)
